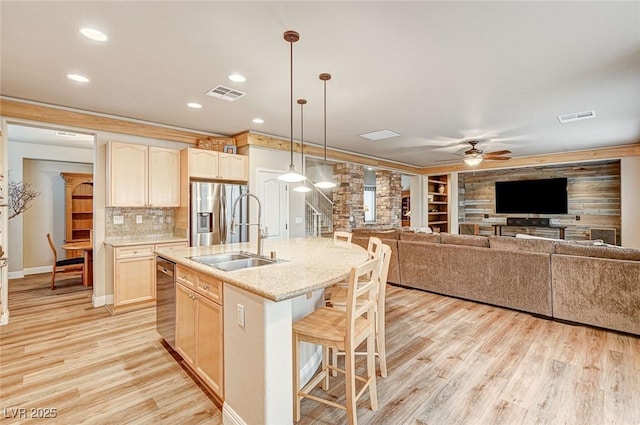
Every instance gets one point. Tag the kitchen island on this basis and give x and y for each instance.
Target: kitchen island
(260, 305)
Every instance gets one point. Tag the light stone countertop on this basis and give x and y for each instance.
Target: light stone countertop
(143, 240)
(313, 263)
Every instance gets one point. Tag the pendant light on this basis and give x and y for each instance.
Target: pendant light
(302, 187)
(291, 176)
(326, 183)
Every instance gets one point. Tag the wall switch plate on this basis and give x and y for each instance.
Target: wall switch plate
(118, 219)
(240, 315)
(298, 220)
(577, 218)
(486, 216)
(138, 219)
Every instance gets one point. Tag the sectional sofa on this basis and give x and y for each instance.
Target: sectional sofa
(572, 281)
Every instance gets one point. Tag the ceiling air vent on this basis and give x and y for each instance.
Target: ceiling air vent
(578, 116)
(225, 93)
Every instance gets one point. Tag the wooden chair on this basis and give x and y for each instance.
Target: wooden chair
(344, 331)
(342, 236)
(339, 300)
(72, 266)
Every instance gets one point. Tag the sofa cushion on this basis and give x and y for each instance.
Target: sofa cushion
(466, 240)
(529, 245)
(420, 237)
(614, 253)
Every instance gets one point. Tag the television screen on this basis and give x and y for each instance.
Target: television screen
(544, 196)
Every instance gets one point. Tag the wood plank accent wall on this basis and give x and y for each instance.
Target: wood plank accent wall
(593, 194)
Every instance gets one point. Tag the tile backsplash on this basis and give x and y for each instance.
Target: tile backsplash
(153, 221)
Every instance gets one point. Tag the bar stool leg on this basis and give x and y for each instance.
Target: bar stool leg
(350, 381)
(296, 378)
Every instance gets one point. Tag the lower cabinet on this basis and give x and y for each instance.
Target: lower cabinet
(199, 326)
(132, 272)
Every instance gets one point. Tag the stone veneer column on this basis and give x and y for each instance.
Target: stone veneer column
(348, 196)
(388, 198)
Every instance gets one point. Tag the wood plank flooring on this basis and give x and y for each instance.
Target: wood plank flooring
(58, 352)
(450, 362)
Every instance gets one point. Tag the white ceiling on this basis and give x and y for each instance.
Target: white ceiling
(438, 73)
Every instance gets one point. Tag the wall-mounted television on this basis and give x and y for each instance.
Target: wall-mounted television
(542, 196)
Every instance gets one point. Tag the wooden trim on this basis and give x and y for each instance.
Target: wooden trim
(28, 111)
(272, 142)
(546, 159)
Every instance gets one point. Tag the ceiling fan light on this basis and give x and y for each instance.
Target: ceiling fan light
(291, 176)
(473, 161)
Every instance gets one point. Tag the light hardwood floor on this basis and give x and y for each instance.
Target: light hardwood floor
(450, 362)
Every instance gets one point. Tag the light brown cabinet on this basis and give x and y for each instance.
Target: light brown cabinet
(199, 326)
(213, 165)
(438, 203)
(142, 176)
(131, 271)
(78, 208)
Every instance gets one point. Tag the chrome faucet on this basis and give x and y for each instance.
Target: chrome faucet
(262, 233)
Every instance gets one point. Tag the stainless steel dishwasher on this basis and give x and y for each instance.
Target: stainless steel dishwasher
(166, 300)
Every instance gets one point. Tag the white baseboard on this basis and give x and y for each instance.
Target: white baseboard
(15, 275)
(230, 417)
(37, 270)
(100, 301)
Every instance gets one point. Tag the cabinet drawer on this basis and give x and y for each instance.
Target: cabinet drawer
(186, 276)
(210, 287)
(134, 251)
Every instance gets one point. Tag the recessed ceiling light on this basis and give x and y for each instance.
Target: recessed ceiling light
(258, 121)
(370, 168)
(93, 34)
(77, 77)
(380, 134)
(237, 78)
(194, 105)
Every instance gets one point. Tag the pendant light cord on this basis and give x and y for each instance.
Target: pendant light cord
(325, 123)
(291, 102)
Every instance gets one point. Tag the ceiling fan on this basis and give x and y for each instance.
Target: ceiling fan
(475, 156)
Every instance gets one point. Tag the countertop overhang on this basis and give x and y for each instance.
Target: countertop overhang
(143, 240)
(312, 264)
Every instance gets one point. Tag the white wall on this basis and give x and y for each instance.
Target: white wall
(18, 154)
(630, 201)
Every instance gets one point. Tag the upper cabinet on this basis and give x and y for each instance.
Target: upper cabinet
(213, 165)
(142, 176)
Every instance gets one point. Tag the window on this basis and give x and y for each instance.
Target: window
(369, 204)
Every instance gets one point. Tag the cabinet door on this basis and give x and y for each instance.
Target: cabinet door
(127, 175)
(233, 167)
(164, 177)
(209, 352)
(203, 163)
(134, 281)
(185, 324)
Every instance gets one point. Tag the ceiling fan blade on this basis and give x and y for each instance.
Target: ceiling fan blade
(497, 158)
(502, 152)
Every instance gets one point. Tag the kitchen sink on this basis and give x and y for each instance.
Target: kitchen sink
(230, 261)
(212, 259)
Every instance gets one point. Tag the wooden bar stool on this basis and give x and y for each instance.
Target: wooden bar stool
(339, 300)
(344, 331)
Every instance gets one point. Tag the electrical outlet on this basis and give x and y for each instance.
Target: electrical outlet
(577, 218)
(138, 219)
(240, 315)
(486, 216)
(118, 219)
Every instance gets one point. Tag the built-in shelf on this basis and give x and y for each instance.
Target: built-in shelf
(78, 209)
(438, 202)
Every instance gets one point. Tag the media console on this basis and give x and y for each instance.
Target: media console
(528, 222)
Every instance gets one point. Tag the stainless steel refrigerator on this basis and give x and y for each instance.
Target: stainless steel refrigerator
(211, 205)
